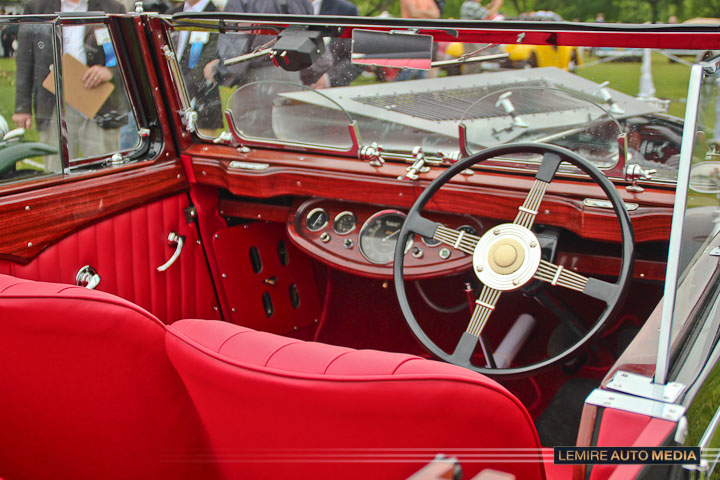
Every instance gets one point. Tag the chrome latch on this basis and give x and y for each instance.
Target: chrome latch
(191, 117)
(418, 166)
(173, 240)
(635, 173)
(87, 277)
(373, 153)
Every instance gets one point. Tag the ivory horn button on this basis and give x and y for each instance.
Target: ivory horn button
(505, 255)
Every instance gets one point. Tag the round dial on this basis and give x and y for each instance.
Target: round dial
(344, 223)
(316, 219)
(378, 236)
(431, 242)
(468, 229)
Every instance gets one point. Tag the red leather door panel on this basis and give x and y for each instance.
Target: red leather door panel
(125, 250)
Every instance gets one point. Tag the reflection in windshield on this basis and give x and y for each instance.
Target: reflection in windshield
(497, 102)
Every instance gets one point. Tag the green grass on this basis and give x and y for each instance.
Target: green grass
(670, 79)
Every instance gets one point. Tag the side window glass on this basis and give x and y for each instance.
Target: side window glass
(28, 143)
(97, 112)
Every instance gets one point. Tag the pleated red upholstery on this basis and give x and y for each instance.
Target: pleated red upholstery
(125, 250)
(87, 390)
(277, 407)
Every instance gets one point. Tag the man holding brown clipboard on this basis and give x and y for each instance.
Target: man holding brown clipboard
(85, 55)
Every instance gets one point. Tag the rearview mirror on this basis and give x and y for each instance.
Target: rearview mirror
(392, 49)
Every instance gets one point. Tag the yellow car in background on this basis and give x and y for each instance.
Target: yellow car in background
(530, 56)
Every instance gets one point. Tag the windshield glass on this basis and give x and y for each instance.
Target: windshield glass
(307, 86)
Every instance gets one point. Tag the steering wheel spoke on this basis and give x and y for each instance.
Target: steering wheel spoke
(559, 275)
(529, 209)
(458, 239)
(484, 306)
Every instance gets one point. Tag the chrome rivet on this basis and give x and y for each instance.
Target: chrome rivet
(496, 232)
(533, 244)
(295, 328)
(217, 235)
(179, 176)
(29, 244)
(215, 308)
(205, 149)
(298, 183)
(233, 309)
(203, 172)
(27, 208)
(198, 242)
(547, 212)
(516, 281)
(479, 268)
(222, 212)
(224, 275)
(316, 320)
(623, 374)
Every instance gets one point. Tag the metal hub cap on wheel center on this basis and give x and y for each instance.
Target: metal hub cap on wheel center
(506, 257)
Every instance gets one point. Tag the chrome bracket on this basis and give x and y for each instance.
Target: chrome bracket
(635, 173)
(191, 118)
(633, 404)
(642, 386)
(87, 277)
(715, 252)
(224, 137)
(373, 153)
(413, 171)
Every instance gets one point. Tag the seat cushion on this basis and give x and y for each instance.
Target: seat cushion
(277, 407)
(88, 391)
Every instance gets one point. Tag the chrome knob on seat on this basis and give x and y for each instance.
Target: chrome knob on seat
(87, 277)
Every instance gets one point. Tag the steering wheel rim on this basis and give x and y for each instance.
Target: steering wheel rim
(415, 222)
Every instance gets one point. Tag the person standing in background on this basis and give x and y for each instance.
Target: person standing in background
(34, 56)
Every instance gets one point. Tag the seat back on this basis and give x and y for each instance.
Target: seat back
(87, 390)
(276, 407)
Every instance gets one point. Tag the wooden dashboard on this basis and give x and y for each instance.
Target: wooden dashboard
(361, 238)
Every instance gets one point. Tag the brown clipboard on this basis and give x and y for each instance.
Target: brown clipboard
(85, 100)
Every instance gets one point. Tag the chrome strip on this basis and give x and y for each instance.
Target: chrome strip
(600, 203)
(630, 403)
(248, 165)
(671, 276)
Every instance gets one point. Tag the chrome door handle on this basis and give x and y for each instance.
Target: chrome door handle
(87, 277)
(179, 241)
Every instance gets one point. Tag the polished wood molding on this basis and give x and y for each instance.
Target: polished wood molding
(32, 221)
(486, 194)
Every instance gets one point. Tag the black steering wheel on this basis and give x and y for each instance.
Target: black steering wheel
(508, 256)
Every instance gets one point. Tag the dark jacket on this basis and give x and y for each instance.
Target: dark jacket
(337, 63)
(206, 95)
(35, 55)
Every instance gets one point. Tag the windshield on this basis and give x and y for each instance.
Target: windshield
(307, 86)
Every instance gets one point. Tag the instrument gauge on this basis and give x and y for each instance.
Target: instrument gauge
(430, 241)
(316, 219)
(468, 229)
(379, 234)
(344, 223)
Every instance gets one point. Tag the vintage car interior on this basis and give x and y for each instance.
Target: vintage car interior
(325, 247)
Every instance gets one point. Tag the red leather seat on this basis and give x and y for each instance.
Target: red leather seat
(87, 390)
(90, 390)
(276, 407)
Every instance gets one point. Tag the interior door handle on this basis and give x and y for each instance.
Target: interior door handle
(179, 241)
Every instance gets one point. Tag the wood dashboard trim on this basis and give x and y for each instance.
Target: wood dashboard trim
(32, 221)
(488, 195)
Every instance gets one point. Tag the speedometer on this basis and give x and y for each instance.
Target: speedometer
(379, 234)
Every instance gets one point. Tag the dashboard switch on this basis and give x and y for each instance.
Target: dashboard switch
(348, 243)
(325, 237)
(444, 253)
